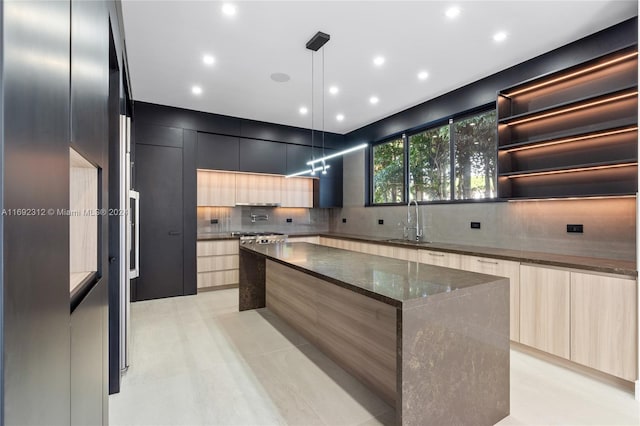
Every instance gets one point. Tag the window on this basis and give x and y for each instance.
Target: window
(475, 156)
(388, 172)
(429, 165)
(455, 161)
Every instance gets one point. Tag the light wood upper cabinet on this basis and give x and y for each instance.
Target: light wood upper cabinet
(438, 258)
(297, 192)
(255, 188)
(216, 188)
(545, 309)
(501, 268)
(604, 324)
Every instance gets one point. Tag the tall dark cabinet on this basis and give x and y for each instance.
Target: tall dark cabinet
(165, 177)
(54, 343)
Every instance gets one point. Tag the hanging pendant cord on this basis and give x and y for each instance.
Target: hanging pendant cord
(312, 108)
(323, 102)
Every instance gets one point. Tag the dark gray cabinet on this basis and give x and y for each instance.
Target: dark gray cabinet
(218, 152)
(260, 156)
(327, 190)
(160, 183)
(298, 155)
(153, 134)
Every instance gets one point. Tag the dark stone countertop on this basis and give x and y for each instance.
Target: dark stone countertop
(400, 283)
(213, 237)
(595, 264)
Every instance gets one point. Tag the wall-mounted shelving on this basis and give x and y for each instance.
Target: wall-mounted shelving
(572, 133)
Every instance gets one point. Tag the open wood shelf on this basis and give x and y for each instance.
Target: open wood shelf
(572, 136)
(572, 133)
(575, 168)
(574, 105)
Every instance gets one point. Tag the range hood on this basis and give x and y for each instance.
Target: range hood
(259, 204)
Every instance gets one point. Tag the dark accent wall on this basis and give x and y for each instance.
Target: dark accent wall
(36, 343)
(231, 126)
(55, 79)
(236, 144)
(484, 91)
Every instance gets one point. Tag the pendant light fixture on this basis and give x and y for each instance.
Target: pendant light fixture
(314, 44)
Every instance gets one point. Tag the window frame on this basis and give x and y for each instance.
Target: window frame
(406, 134)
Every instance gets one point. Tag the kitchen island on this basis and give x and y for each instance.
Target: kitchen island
(431, 341)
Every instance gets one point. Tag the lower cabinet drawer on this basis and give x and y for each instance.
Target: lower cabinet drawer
(437, 258)
(218, 278)
(312, 240)
(217, 263)
(216, 248)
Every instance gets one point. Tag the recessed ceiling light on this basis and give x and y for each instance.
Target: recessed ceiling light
(334, 90)
(229, 9)
(378, 60)
(208, 59)
(423, 75)
(340, 117)
(374, 100)
(500, 36)
(303, 110)
(452, 12)
(196, 90)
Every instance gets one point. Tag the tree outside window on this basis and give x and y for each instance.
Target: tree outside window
(475, 156)
(430, 165)
(388, 172)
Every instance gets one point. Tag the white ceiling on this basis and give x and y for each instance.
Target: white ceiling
(166, 41)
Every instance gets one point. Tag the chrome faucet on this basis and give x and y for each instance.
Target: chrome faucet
(417, 225)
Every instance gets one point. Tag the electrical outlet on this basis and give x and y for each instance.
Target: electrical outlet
(214, 221)
(576, 228)
(289, 220)
(380, 222)
(475, 225)
(344, 220)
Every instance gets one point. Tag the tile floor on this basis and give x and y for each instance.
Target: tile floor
(196, 360)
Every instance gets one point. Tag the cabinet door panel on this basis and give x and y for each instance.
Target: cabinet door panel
(544, 309)
(216, 188)
(218, 152)
(254, 188)
(501, 268)
(259, 156)
(297, 192)
(604, 324)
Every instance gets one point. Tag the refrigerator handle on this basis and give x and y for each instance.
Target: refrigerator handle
(135, 228)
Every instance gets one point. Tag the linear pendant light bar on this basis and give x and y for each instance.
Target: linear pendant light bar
(304, 172)
(338, 154)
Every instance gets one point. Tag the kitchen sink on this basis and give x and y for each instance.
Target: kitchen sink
(403, 241)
